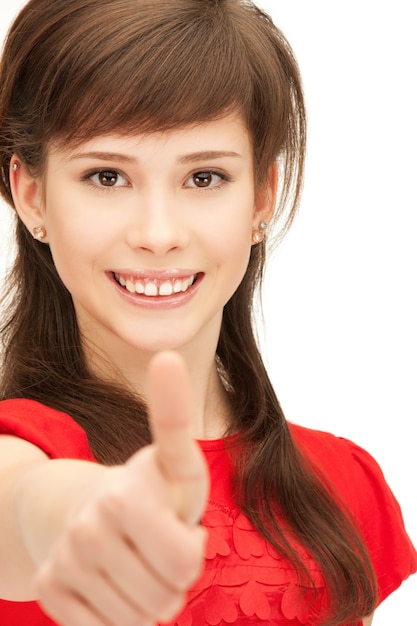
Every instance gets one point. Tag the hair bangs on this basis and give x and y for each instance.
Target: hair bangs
(129, 66)
(157, 73)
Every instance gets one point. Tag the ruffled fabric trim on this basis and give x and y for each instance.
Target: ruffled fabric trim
(245, 580)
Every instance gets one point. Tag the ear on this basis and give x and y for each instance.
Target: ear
(266, 196)
(27, 195)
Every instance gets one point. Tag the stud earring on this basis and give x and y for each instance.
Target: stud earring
(15, 166)
(39, 233)
(259, 234)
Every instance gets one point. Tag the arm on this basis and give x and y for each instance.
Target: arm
(37, 496)
(108, 545)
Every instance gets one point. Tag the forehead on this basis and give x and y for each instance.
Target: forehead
(228, 133)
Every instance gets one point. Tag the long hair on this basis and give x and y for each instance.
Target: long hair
(75, 70)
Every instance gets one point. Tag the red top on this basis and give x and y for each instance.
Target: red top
(244, 581)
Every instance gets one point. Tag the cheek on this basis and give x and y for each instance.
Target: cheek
(72, 228)
(233, 221)
(232, 249)
(71, 240)
(237, 228)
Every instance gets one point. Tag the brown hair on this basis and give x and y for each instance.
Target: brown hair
(74, 70)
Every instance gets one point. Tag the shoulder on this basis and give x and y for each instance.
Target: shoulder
(355, 478)
(54, 432)
(350, 472)
(338, 460)
(316, 441)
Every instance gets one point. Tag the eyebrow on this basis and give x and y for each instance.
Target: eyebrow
(207, 154)
(186, 158)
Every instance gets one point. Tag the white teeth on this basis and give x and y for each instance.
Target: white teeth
(152, 288)
(177, 286)
(166, 289)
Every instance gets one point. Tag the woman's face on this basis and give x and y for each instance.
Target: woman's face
(151, 234)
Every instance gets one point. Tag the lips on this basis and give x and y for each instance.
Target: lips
(154, 287)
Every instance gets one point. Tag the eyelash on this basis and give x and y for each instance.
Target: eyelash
(224, 179)
(104, 170)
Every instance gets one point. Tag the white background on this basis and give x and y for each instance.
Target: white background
(340, 302)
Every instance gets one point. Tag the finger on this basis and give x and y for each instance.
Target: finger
(178, 456)
(171, 551)
(64, 607)
(69, 589)
(127, 569)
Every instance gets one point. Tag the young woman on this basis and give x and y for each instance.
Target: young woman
(147, 472)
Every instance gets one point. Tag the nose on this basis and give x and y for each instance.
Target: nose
(157, 225)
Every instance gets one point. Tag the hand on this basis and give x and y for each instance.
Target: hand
(129, 554)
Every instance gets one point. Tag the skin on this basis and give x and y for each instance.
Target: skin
(82, 541)
(121, 545)
(117, 546)
(153, 219)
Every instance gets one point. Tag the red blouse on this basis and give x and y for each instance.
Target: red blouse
(245, 581)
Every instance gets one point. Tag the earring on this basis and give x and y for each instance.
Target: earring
(39, 233)
(259, 234)
(15, 166)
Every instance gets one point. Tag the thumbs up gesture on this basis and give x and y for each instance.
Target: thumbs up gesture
(134, 547)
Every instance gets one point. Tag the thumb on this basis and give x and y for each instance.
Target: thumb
(178, 456)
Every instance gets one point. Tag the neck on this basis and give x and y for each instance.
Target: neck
(211, 401)
(213, 419)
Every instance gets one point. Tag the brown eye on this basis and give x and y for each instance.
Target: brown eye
(107, 178)
(203, 179)
(207, 180)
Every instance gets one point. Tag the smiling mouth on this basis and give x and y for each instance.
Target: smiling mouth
(156, 287)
